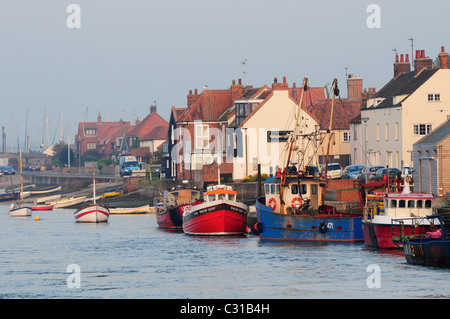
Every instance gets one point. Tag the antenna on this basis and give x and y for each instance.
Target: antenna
(244, 63)
(412, 50)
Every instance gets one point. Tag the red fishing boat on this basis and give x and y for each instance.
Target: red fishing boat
(175, 203)
(384, 208)
(220, 214)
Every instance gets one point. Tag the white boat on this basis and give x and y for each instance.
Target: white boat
(47, 199)
(17, 210)
(146, 209)
(93, 213)
(46, 191)
(67, 202)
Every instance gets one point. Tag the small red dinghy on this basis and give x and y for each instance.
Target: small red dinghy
(42, 207)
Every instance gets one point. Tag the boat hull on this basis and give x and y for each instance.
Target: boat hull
(216, 218)
(380, 236)
(172, 216)
(42, 207)
(428, 252)
(20, 211)
(318, 227)
(92, 214)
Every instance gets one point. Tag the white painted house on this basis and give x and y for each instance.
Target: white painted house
(408, 107)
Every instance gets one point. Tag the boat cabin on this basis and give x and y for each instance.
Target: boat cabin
(299, 197)
(217, 192)
(408, 205)
(181, 196)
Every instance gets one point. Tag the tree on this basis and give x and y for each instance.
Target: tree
(63, 156)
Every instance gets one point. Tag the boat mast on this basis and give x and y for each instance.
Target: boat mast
(291, 144)
(335, 90)
(21, 178)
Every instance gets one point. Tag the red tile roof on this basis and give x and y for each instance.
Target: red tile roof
(344, 112)
(208, 107)
(152, 127)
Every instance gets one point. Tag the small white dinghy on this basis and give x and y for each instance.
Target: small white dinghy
(93, 213)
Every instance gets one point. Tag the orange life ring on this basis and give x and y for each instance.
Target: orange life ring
(273, 200)
(298, 199)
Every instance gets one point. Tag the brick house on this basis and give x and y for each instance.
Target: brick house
(197, 140)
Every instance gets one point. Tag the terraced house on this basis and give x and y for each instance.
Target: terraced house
(413, 103)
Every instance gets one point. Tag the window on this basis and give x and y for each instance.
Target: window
(346, 137)
(386, 131)
(434, 97)
(91, 145)
(272, 188)
(396, 131)
(378, 132)
(201, 136)
(410, 204)
(242, 111)
(267, 187)
(90, 132)
(402, 203)
(294, 189)
(393, 203)
(421, 129)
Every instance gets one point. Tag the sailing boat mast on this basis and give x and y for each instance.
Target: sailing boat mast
(291, 145)
(21, 179)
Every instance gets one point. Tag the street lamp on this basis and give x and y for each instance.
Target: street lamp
(365, 119)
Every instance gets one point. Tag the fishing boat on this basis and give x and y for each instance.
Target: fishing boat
(46, 199)
(17, 209)
(292, 207)
(46, 190)
(8, 196)
(388, 200)
(432, 248)
(146, 209)
(175, 203)
(111, 194)
(219, 214)
(92, 213)
(67, 202)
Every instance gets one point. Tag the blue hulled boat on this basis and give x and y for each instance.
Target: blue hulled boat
(292, 208)
(434, 248)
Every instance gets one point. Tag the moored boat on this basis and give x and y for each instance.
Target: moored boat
(175, 203)
(431, 249)
(46, 190)
(67, 202)
(393, 202)
(92, 213)
(292, 208)
(42, 207)
(146, 209)
(20, 211)
(219, 214)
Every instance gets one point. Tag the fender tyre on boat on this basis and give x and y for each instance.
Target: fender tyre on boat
(323, 228)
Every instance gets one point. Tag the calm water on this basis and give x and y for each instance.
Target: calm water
(129, 257)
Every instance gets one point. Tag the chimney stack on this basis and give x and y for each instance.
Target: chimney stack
(280, 86)
(421, 62)
(237, 90)
(191, 98)
(443, 59)
(402, 66)
(354, 87)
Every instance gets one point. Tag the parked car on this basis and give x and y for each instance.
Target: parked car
(7, 170)
(352, 171)
(334, 170)
(382, 173)
(34, 167)
(370, 172)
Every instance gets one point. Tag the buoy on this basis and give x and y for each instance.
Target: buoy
(37, 218)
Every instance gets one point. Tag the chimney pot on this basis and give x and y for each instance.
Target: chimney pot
(401, 58)
(396, 57)
(407, 58)
(422, 53)
(294, 85)
(442, 49)
(275, 80)
(196, 92)
(239, 81)
(417, 54)
(190, 91)
(284, 79)
(233, 82)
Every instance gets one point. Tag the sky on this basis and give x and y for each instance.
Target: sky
(123, 56)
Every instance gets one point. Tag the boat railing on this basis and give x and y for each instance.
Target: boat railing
(438, 228)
